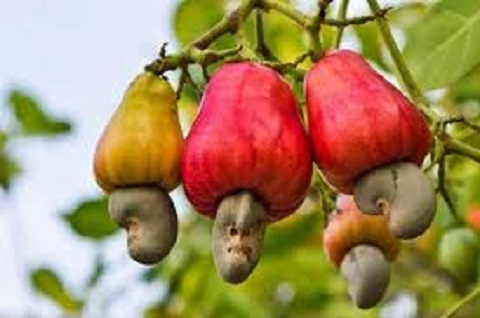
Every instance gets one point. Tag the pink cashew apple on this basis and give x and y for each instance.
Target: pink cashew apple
(246, 161)
(369, 140)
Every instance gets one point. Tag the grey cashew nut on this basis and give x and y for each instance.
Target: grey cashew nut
(402, 191)
(237, 236)
(149, 217)
(367, 273)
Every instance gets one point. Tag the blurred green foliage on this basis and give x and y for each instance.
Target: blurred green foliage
(46, 282)
(88, 219)
(31, 119)
(293, 278)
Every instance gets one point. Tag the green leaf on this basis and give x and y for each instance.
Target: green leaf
(194, 17)
(9, 169)
(467, 88)
(371, 43)
(33, 121)
(444, 46)
(90, 219)
(408, 14)
(46, 282)
(283, 238)
(283, 37)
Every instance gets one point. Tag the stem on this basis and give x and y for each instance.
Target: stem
(463, 302)
(442, 189)
(261, 47)
(405, 74)
(228, 24)
(342, 23)
(454, 146)
(286, 10)
(342, 14)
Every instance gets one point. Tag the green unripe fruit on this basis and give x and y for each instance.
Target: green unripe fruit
(458, 253)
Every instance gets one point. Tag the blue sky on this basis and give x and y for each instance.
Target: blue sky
(77, 57)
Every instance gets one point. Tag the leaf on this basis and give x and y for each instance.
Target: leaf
(371, 43)
(444, 46)
(90, 219)
(407, 14)
(194, 17)
(9, 169)
(32, 119)
(467, 88)
(283, 37)
(46, 282)
(283, 238)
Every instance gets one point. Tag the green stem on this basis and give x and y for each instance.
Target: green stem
(342, 14)
(454, 146)
(286, 10)
(405, 74)
(229, 24)
(261, 46)
(463, 302)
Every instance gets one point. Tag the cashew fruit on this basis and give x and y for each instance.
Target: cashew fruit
(247, 138)
(361, 246)
(137, 162)
(369, 140)
(349, 227)
(367, 273)
(358, 120)
(142, 144)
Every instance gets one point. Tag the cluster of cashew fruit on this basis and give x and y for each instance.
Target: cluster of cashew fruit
(247, 162)
(369, 141)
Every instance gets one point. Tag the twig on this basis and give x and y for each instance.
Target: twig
(342, 14)
(461, 120)
(228, 24)
(462, 303)
(442, 189)
(342, 22)
(261, 47)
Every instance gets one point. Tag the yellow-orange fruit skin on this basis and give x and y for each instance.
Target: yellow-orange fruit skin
(142, 144)
(349, 227)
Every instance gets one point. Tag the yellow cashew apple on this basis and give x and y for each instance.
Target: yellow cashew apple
(137, 162)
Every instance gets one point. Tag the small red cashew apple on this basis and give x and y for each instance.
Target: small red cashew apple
(368, 139)
(362, 246)
(137, 161)
(246, 162)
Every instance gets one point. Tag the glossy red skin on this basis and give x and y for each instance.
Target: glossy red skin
(247, 136)
(358, 121)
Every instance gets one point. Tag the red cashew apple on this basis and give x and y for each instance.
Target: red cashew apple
(368, 139)
(361, 246)
(246, 161)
